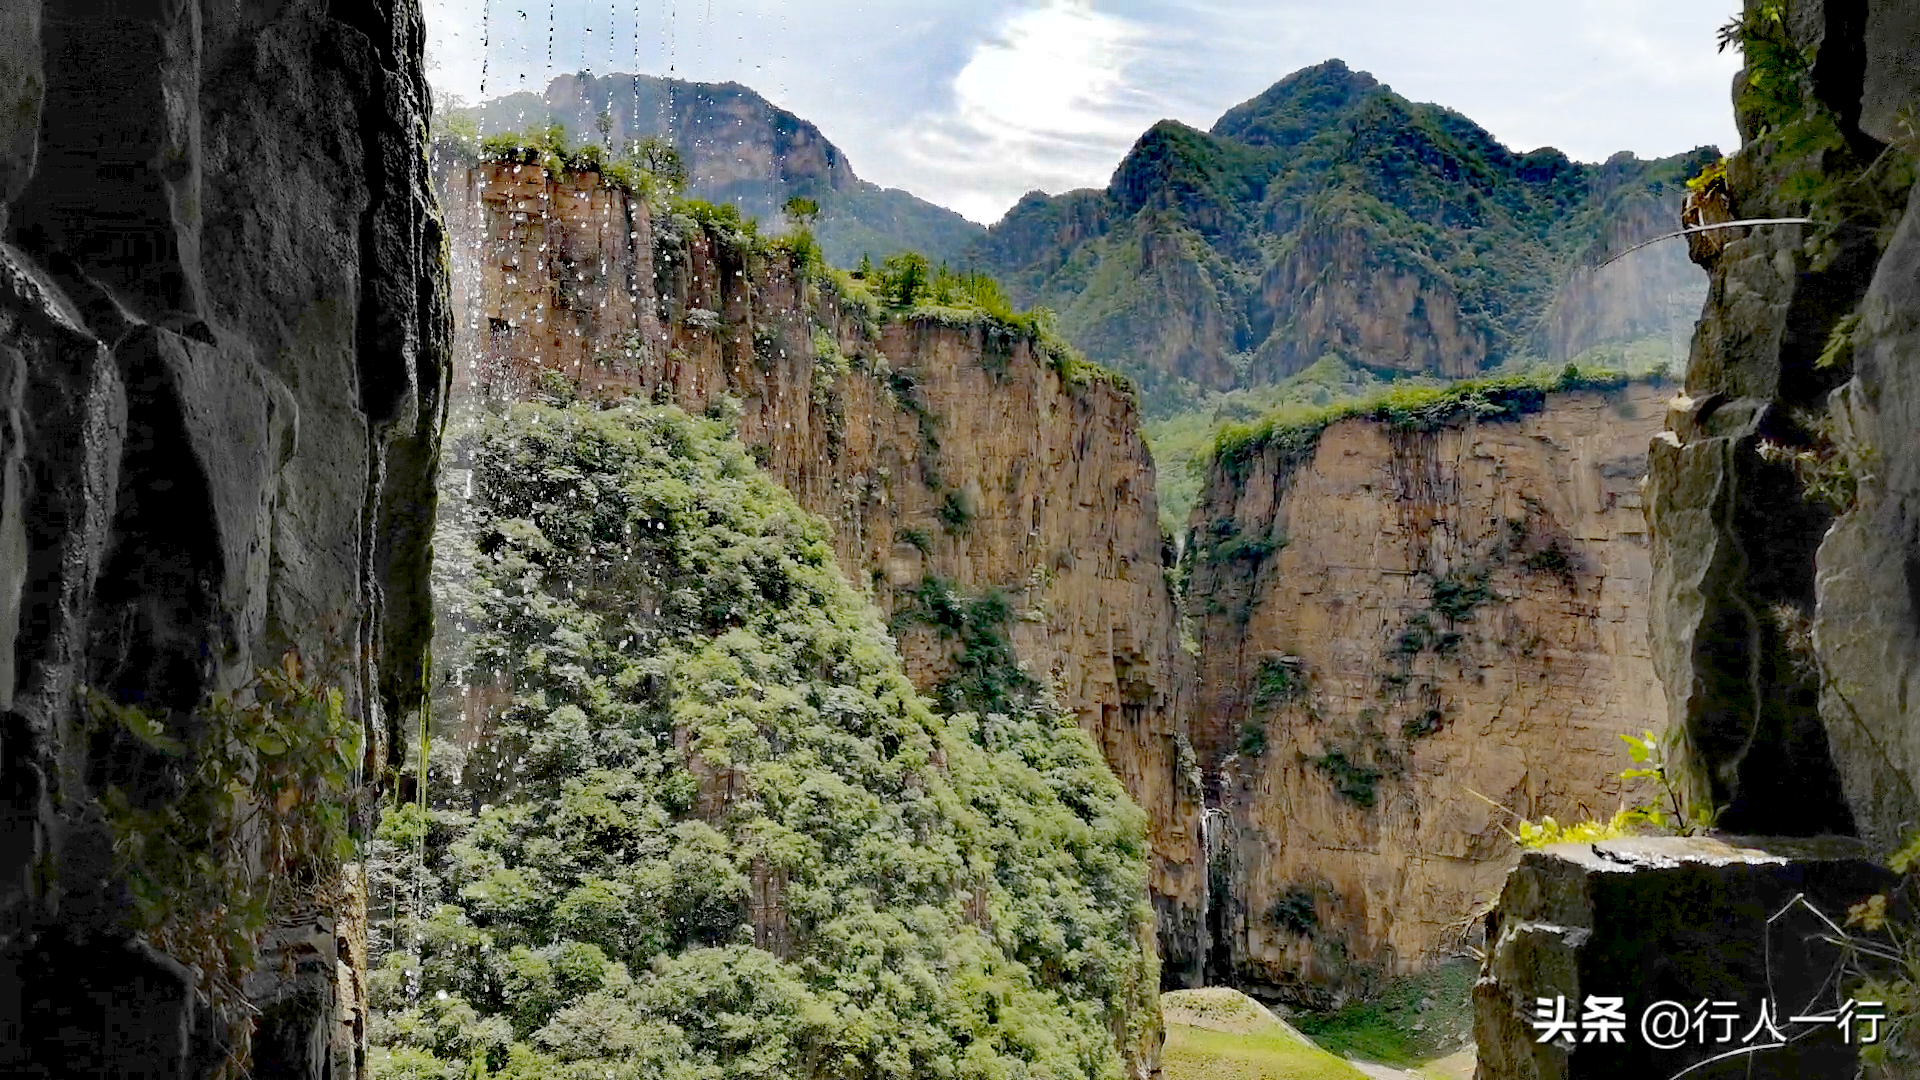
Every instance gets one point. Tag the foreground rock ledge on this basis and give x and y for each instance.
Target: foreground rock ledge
(1669, 919)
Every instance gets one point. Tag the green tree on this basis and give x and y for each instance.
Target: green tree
(658, 158)
(904, 279)
(802, 211)
(714, 833)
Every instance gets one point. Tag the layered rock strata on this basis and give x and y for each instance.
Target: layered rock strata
(947, 455)
(222, 366)
(1399, 629)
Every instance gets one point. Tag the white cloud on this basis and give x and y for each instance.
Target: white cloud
(1045, 102)
(971, 103)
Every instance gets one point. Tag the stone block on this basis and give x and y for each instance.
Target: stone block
(1673, 919)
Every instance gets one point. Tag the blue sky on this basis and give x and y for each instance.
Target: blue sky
(972, 104)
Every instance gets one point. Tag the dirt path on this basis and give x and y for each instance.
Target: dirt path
(1455, 1066)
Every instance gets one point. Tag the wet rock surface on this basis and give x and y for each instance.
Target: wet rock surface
(222, 367)
(1728, 919)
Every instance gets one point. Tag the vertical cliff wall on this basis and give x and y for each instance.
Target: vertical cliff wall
(1613, 296)
(222, 362)
(1783, 498)
(1785, 606)
(1391, 620)
(952, 459)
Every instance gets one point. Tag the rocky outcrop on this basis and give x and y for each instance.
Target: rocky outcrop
(1781, 502)
(953, 461)
(1335, 294)
(1392, 624)
(1782, 499)
(1732, 922)
(222, 364)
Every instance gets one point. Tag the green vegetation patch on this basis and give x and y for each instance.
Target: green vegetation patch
(1457, 593)
(712, 831)
(1414, 1020)
(1216, 1033)
(1252, 742)
(1279, 680)
(1194, 1053)
(907, 287)
(1295, 432)
(1294, 911)
(987, 676)
(219, 834)
(1223, 542)
(1354, 779)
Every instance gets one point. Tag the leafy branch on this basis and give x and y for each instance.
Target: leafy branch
(259, 817)
(1645, 750)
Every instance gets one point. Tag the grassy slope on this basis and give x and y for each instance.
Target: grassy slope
(1220, 1034)
(1198, 1054)
(1383, 1029)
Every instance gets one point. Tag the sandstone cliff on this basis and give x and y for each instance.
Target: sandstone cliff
(1389, 621)
(953, 461)
(1782, 499)
(222, 367)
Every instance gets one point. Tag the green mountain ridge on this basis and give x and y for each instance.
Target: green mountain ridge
(1331, 217)
(742, 149)
(1327, 218)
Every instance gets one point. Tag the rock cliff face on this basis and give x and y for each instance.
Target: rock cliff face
(1652, 292)
(1668, 918)
(1782, 501)
(952, 462)
(222, 364)
(1389, 622)
(1786, 601)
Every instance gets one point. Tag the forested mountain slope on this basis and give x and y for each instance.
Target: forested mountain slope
(1330, 216)
(708, 829)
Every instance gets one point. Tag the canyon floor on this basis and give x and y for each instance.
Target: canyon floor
(1221, 1034)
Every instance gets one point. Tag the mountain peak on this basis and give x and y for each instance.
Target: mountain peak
(739, 148)
(1293, 109)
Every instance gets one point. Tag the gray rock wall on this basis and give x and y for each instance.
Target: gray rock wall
(1784, 505)
(1782, 500)
(1672, 920)
(223, 338)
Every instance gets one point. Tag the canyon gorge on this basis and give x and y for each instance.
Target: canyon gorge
(952, 452)
(469, 606)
